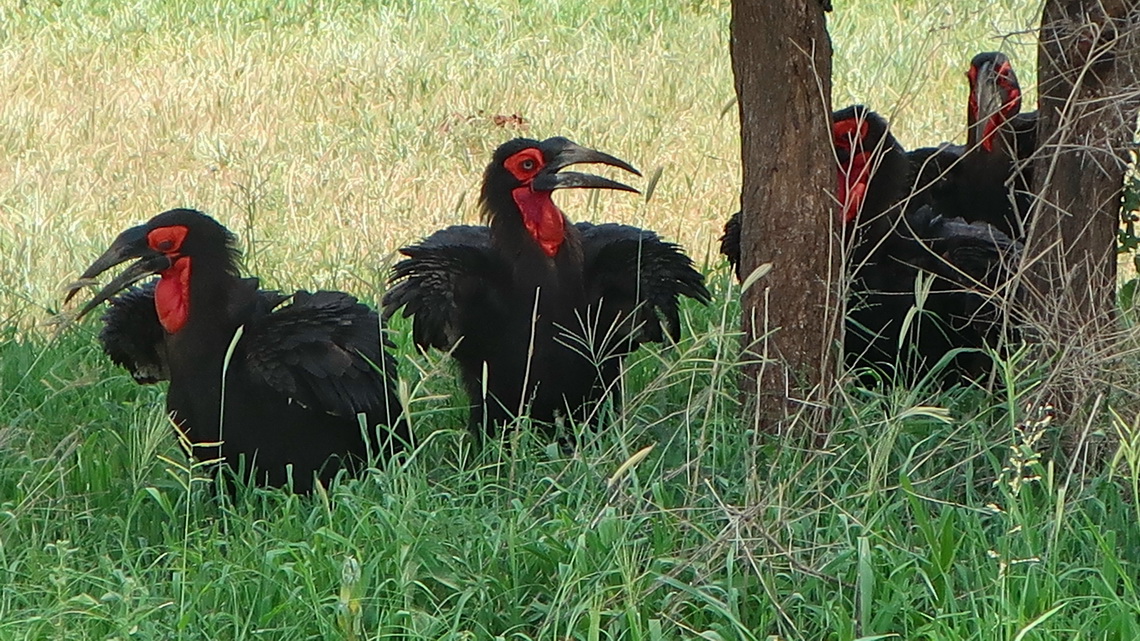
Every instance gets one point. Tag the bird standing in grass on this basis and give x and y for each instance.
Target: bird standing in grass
(308, 387)
(538, 311)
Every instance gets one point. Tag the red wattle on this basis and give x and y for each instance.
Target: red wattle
(853, 186)
(851, 207)
(988, 134)
(542, 218)
(172, 296)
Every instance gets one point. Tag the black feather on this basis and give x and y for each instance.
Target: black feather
(132, 337)
(548, 331)
(287, 400)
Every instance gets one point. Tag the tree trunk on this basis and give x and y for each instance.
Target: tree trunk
(1089, 69)
(781, 60)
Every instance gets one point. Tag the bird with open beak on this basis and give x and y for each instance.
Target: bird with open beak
(538, 311)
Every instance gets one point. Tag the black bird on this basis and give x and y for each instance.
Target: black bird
(994, 109)
(989, 179)
(537, 311)
(872, 173)
(891, 242)
(969, 265)
(299, 373)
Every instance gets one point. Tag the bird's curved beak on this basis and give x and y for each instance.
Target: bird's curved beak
(130, 244)
(996, 95)
(563, 153)
(987, 90)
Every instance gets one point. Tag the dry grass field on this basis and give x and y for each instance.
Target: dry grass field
(328, 134)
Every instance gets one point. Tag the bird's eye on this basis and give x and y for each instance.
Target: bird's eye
(167, 239)
(527, 165)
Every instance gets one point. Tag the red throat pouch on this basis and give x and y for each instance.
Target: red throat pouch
(988, 133)
(853, 186)
(542, 218)
(172, 296)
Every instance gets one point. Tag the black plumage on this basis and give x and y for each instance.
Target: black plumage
(990, 178)
(539, 312)
(730, 243)
(932, 174)
(969, 267)
(133, 338)
(893, 236)
(302, 370)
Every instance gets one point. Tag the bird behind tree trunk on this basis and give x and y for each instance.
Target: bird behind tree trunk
(893, 239)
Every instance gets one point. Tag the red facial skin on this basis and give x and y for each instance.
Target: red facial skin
(541, 216)
(1008, 110)
(172, 295)
(848, 136)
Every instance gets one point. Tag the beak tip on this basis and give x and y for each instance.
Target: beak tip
(75, 287)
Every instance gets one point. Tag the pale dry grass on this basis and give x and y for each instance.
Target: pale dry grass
(908, 59)
(338, 133)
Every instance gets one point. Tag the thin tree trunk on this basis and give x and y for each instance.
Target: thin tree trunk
(1089, 71)
(781, 59)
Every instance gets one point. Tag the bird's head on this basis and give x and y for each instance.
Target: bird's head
(995, 96)
(524, 173)
(169, 244)
(861, 137)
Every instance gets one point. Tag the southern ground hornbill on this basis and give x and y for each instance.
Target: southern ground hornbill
(299, 373)
(989, 178)
(889, 245)
(871, 170)
(537, 311)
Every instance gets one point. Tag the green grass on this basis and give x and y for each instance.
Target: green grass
(327, 134)
(909, 520)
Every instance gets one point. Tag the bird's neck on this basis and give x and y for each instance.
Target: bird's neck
(530, 227)
(990, 134)
(543, 221)
(554, 264)
(883, 185)
(194, 294)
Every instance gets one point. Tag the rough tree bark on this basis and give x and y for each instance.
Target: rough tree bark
(1089, 72)
(781, 60)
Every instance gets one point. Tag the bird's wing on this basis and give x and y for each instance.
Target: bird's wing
(325, 351)
(132, 336)
(730, 243)
(972, 255)
(932, 173)
(634, 279)
(446, 276)
(134, 339)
